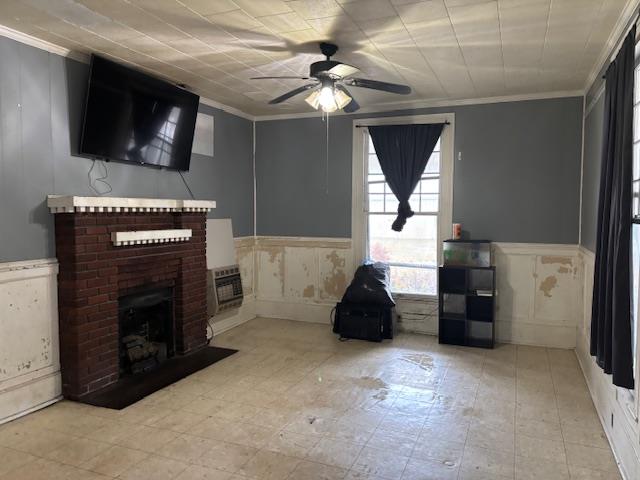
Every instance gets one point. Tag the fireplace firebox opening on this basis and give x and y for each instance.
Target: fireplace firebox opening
(146, 330)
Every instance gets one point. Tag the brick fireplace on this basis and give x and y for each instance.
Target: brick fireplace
(109, 248)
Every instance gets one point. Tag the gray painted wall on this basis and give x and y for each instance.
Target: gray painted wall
(41, 101)
(591, 173)
(518, 181)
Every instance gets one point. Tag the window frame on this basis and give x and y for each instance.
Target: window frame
(630, 398)
(359, 213)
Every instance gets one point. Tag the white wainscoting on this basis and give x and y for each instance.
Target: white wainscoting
(617, 408)
(538, 293)
(538, 300)
(289, 277)
(29, 348)
(300, 278)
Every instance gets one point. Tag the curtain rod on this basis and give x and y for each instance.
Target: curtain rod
(437, 123)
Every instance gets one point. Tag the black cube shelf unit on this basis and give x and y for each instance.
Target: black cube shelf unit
(467, 305)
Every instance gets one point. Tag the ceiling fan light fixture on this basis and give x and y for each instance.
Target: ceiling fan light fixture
(313, 99)
(327, 99)
(341, 98)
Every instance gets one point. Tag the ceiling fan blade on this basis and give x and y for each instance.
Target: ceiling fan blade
(352, 106)
(376, 85)
(279, 78)
(343, 70)
(292, 93)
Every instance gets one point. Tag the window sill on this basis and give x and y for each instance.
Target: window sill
(415, 296)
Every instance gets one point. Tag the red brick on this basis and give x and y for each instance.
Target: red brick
(94, 273)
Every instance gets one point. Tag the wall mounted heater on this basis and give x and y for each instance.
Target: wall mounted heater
(227, 288)
(224, 285)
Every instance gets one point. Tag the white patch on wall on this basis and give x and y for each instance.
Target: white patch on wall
(203, 136)
(29, 353)
(221, 250)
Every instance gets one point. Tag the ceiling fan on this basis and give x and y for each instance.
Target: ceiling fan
(330, 79)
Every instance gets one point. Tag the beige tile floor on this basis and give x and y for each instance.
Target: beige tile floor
(297, 404)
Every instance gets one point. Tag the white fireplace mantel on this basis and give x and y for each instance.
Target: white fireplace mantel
(143, 237)
(75, 204)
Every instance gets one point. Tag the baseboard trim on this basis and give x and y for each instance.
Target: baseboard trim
(22, 399)
(228, 320)
(302, 312)
(535, 334)
(594, 399)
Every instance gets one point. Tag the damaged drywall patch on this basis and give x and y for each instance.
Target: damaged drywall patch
(274, 253)
(309, 291)
(336, 282)
(548, 284)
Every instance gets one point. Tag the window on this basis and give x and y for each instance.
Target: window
(412, 254)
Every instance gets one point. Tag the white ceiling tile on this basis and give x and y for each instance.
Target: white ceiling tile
(209, 7)
(439, 46)
(312, 9)
(120, 11)
(69, 11)
(404, 2)
(191, 46)
(330, 25)
(302, 36)
(369, 9)
(115, 31)
(286, 22)
(605, 22)
(381, 25)
(523, 40)
(163, 32)
(234, 20)
(166, 10)
(463, 3)
(477, 29)
(423, 11)
(262, 8)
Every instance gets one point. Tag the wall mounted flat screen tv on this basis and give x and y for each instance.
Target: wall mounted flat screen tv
(133, 117)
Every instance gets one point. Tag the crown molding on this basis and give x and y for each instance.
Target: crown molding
(630, 10)
(415, 105)
(41, 44)
(594, 100)
(226, 108)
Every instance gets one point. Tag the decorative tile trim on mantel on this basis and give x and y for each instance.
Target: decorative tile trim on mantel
(73, 204)
(142, 237)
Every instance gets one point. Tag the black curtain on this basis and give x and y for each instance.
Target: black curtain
(403, 152)
(611, 319)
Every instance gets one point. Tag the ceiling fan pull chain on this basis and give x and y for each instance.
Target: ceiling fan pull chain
(327, 158)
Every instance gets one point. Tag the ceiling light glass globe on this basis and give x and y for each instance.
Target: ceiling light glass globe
(327, 100)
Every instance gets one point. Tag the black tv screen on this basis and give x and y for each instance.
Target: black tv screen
(132, 117)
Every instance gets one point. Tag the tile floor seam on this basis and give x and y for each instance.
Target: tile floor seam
(464, 448)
